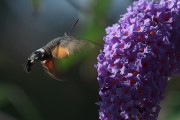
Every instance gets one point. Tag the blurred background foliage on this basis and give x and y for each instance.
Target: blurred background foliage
(26, 25)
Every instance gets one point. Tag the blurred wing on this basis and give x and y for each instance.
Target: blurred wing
(78, 45)
(49, 67)
(69, 47)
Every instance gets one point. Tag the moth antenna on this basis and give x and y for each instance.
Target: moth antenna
(74, 25)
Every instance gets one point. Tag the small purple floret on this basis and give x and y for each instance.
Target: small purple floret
(140, 52)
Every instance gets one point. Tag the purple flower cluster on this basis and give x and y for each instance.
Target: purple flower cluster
(140, 52)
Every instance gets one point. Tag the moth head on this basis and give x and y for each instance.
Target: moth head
(36, 56)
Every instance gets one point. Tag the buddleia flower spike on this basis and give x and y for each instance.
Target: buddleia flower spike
(140, 52)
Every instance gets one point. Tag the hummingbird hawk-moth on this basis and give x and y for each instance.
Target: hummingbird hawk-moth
(58, 48)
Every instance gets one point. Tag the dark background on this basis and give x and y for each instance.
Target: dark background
(26, 25)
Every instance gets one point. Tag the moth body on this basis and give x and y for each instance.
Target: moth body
(58, 48)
